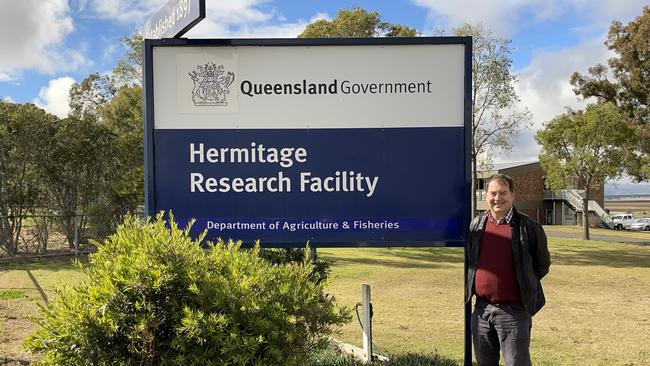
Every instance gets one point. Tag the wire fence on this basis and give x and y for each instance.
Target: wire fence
(52, 234)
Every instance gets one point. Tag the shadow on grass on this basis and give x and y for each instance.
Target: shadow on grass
(407, 258)
(628, 257)
(570, 252)
(46, 264)
(13, 361)
(433, 255)
(38, 286)
(389, 263)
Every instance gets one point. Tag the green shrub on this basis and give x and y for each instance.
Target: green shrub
(151, 296)
(413, 359)
(321, 267)
(332, 357)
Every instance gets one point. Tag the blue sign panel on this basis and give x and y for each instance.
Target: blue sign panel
(336, 154)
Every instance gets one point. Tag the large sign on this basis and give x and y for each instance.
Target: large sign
(352, 142)
(175, 19)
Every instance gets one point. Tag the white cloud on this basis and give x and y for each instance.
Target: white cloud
(507, 17)
(110, 51)
(502, 17)
(32, 34)
(125, 11)
(224, 19)
(545, 90)
(209, 28)
(544, 83)
(245, 19)
(232, 19)
(8, 99)
(608, 10)
(55, 97)
(224, 13)
(5, 77)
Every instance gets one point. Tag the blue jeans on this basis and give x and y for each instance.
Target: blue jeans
(501, 328)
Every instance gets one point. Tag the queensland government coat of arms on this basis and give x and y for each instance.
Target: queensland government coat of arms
(211, 84)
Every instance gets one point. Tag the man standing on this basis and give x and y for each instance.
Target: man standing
(507, 256)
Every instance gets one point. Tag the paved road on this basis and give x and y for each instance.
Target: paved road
(609, 238)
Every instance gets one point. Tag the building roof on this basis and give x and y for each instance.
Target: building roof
(503, 166)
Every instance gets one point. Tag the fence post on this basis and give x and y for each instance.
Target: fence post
(367, 322)
(313, 256)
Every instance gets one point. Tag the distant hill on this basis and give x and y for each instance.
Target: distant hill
(627, 189)
(628, 197)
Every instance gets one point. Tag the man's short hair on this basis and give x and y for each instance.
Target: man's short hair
(503, 179)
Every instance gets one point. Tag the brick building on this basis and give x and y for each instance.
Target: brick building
(534, 198)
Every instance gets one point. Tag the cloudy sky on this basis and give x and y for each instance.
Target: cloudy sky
(46, 45)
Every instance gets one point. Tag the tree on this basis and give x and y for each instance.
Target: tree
(115, 101)
(90, 94)
(584, 148)
(78, 167)
(123, 117)
(495, 121)
(356, 23)
(24, 131)
(629, 89)
(129, 69)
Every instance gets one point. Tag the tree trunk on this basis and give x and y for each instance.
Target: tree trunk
(18, 226)
(585, 217)
(69, 225)
(6, 236)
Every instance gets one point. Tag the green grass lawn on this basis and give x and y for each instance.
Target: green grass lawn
(597, 231)
(24, 285)
(597, 310)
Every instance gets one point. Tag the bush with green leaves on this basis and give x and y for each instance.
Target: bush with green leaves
(332, 357)
(151, 296)
(335, 357)
(414, 359)
(321, 269)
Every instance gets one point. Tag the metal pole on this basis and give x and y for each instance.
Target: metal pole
(367, 322)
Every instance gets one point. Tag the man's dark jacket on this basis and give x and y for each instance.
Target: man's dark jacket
(530, 253)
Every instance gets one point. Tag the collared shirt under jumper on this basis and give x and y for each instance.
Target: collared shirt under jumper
(496, 280)
(504, 220)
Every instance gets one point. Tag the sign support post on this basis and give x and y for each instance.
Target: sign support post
(367, 322)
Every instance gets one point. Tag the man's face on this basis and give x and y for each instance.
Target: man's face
(499, 198)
